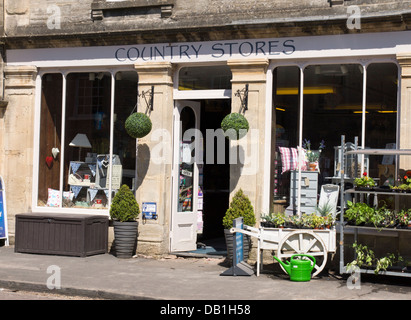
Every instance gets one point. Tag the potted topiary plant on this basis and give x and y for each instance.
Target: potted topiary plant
(124, 211)
(235, 126)
(138, 125)
(240, 206)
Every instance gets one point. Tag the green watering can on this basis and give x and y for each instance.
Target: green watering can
(299, 269)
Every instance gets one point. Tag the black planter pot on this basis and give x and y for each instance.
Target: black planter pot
(229, 238)
(125, 238)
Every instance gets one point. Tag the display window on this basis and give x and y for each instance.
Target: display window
(204, 78)
(350, 99)
(85, 154)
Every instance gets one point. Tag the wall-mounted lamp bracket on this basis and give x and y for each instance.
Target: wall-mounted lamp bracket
(243, 95)
(148, 98)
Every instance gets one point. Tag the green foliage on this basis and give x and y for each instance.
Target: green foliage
(275, 220)
(240, 206)
(359, 212)
(124, 206)
(404, 217)
(234, 122)
(326, 209)
(364, 181)
(138, 125)
(311, 221)
(366, 257)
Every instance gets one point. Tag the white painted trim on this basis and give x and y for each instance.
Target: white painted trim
(201, 94)
(36, 141)
(63, 134)
(267, 147)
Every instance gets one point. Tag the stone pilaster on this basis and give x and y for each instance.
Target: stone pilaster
(248, 172)
(404, 59)
(16, 146)
(155, 155)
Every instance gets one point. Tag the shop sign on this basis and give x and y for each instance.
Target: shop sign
(239, 249)
(239, 268)
(208, 50)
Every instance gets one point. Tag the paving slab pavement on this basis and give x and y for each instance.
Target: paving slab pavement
(171, 278)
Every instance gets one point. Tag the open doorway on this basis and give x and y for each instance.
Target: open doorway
(216, 179)
(210, 177)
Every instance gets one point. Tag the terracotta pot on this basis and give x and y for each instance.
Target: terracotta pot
(312, 166)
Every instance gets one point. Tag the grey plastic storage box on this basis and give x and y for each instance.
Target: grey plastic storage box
(61, 234)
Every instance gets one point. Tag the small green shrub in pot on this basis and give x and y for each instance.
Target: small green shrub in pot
(240, 206)
(124, 206)
(124, 211)
(138, 125)
(235, 126)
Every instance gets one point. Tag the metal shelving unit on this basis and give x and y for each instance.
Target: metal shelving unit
(393, 232)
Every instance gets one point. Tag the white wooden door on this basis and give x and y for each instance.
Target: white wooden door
(186, 156)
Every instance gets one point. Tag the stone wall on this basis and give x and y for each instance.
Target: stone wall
(96, 22)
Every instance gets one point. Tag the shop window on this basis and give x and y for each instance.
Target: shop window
(50, 140)
(286, 112)
(78, 175)
(332, 105)
(124, 146)
(204, 78)
(381, 118)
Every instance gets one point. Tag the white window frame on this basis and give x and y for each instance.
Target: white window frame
(197, 94)
(36, 138)
(301, 64)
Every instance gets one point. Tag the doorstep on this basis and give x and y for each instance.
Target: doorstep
(214, 248)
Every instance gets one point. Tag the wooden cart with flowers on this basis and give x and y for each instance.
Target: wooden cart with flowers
(302, 233)
(285, 235)
(287, 241)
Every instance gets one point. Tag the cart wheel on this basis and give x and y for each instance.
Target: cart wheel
(303, 242)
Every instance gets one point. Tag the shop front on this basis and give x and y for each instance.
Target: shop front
(299, 89)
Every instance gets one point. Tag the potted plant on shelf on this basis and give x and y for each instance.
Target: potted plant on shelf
(235, 126)
(364, 183)
(358, 213)
(124, 211)
(312, 156)
(404, 219)
(240, 206)
(405, 186)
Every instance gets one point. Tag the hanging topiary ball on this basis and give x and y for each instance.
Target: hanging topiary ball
(138, 125)
(235, 126)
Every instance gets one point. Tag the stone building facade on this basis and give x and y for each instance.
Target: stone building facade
(50, 48)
